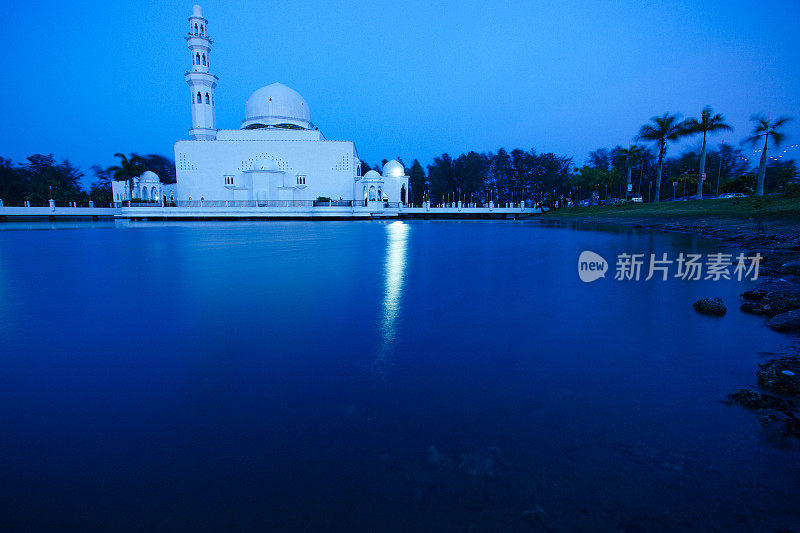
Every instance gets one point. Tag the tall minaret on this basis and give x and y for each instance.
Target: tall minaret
(201, 82)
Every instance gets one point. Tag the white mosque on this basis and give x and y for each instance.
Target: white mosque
(276, 154)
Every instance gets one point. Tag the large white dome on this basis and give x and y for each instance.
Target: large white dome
(393, 169)
(276, 105)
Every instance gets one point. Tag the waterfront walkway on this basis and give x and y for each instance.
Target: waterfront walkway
(222, 210)
(52, 213)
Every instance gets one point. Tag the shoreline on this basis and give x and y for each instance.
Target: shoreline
(777, 239)
(776, 296)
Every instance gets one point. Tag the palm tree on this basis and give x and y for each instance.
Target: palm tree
(662, 130)
(632, 157)
(127, 169)
(766, 129)
(708, 123)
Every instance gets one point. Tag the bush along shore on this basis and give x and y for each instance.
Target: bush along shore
(769, 226)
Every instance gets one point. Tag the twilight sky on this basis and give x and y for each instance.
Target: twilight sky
(407, 78)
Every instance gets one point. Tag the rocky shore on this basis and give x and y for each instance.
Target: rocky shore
(776, 297)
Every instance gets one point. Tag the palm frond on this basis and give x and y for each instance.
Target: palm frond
(752, 139)
(778, 138)
(782, 121)
(648, 133)
(719, 125)
(692, 125)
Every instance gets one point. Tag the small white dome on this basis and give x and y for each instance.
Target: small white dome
(276, 105)
(197, 11)
(148, 175)
(394, 169)
(372, 174)
(267, 165)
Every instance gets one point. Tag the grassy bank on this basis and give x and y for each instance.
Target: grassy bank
(768, 208)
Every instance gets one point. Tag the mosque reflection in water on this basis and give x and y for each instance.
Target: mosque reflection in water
(394, 278)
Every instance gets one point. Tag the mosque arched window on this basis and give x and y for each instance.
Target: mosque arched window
(204, 59)
(208, 100)
(199, 98)
(197, 58)
(195, 29)
(201, 30)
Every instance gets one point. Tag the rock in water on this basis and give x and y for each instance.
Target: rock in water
(710, 306)
(777, 302)
(752, 307)
(771, 303)
(781, 376)
(789, 321)
(750, 399)
(755, 295)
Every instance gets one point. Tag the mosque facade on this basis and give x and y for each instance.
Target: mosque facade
(277, 153)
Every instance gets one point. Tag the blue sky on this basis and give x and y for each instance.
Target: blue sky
(411, 79)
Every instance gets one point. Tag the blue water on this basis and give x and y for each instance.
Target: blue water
(347, 376)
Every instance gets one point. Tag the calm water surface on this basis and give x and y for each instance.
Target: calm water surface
(343, 376)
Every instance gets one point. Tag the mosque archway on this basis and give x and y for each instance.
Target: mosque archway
(403, 194)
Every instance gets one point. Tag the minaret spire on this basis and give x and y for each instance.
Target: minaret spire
(201, 82)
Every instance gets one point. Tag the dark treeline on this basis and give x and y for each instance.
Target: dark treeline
(41, 178)
(544, 180)
(549, 180)
(727, 170)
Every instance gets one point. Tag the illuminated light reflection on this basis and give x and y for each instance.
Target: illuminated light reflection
(394, 277)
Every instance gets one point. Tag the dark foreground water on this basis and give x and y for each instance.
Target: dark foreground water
(349, 376)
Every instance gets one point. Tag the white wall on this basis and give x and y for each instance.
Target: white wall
(202, 166)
